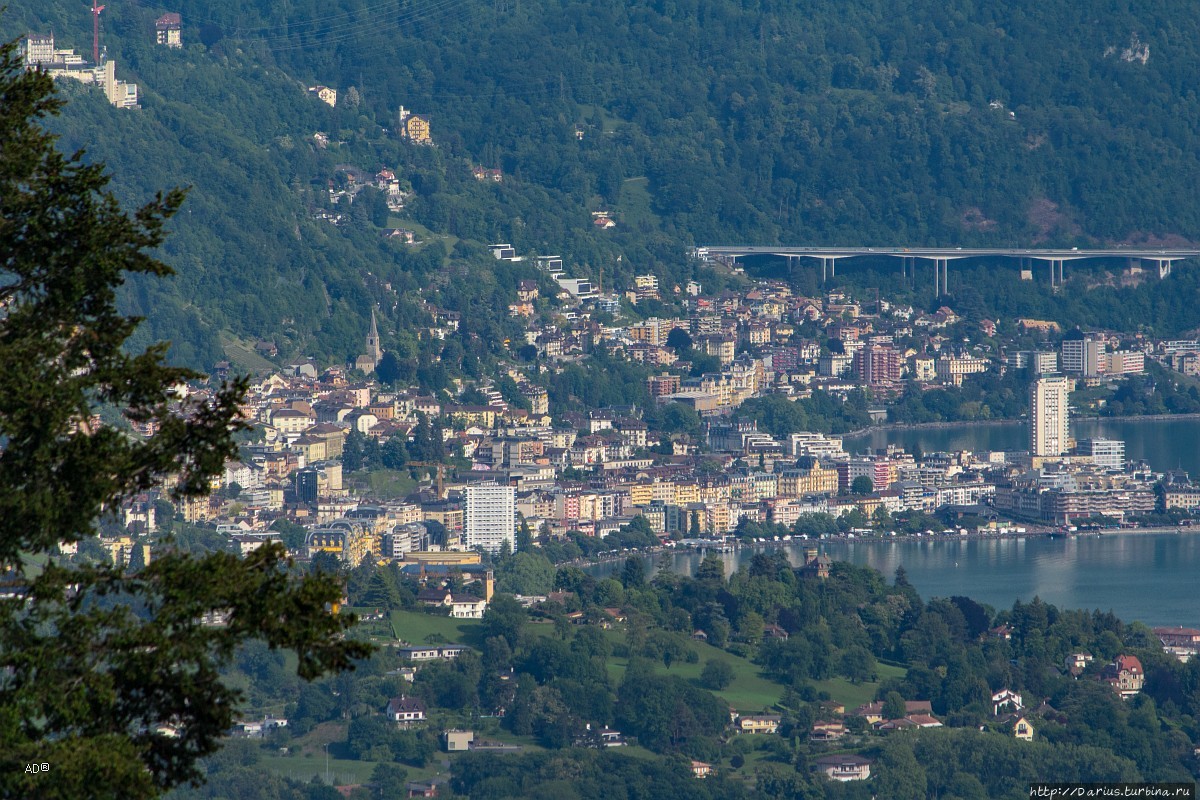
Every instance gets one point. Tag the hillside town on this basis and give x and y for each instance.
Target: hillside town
(484, 466)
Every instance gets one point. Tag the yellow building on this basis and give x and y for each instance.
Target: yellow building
(444, 558)
(641, 494)
(484, 416)
(801, 482)
(416, 128)
(312, 448)
(763, 723)
(687, 492)
(662, 492)
(717, 518)
(346, 540)
(1022, 729)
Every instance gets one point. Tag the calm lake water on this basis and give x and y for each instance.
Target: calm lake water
(1165, 443)
(1150, 577)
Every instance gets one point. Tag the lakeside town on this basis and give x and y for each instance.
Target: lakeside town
(496, 456)
(464, 520)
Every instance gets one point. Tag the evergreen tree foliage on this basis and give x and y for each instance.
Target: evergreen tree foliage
(97, 661)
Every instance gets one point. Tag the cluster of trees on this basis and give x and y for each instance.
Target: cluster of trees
(987, 395)
(822, 412)
(1158, 392)
(423, 444)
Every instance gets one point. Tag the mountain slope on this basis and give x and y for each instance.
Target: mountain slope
(815, 123)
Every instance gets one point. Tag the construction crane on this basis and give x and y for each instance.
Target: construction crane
(441, 474)
(96, 9)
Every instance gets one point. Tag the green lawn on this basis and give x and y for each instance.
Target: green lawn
(383, 483)
(750, 692)
(303, 768)
(343, 772)
(853, 695)
(633, 203)
(608, 122)
(424, 235)
(414, 626)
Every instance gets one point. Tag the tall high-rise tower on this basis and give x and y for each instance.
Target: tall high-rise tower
(1049, 431)
(490, 519)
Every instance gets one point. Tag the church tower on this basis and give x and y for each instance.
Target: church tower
(374, 351)
(370, 360)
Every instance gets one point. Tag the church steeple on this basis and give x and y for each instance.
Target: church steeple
(374, 351)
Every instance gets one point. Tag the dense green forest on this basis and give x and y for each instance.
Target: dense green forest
(701, 121)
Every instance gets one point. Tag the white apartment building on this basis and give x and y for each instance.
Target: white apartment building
(1107, 453)
(1048, 425)
(490, 518)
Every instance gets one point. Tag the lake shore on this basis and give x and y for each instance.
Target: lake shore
(735, 545)
(992, 423)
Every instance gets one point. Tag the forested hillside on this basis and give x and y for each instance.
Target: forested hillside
(701, 120)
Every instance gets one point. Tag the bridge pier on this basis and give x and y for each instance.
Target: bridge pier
(1056, 272)
(1164, 267)
(941, 277)
(828, 268)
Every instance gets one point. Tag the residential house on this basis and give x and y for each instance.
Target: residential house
(611, 738)
(425, 788)
(482, 173)
(826, 732)
(1125, 675)
(1004, 632)
(168, 29)
(1183, 643)
(1078, 662)
(444, 652)
(417, 129)
(773, 631)
(844, 767)
(1022, 729)
(760, 723)
(701, 769)
(1006, 700)
(461, 606)
(873, 712)
(324, 94)
(405, 710)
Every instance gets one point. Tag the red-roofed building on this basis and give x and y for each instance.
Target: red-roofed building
(168, 30)
(1125, 675)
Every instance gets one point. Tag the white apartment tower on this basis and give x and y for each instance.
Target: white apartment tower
(491, 517)
(1048, 427)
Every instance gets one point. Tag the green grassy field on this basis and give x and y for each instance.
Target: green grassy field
(608, 122)
(424, 235)
(633, 204)
(414, 626)
(342, 772)
(383, 483)
(750, 692)
(853, 695)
